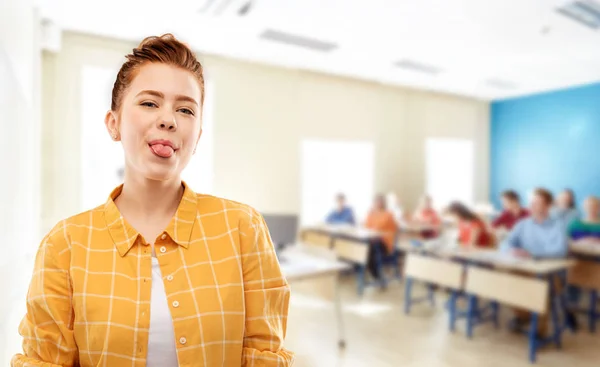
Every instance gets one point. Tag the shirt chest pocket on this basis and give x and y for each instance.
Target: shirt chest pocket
(107, 311)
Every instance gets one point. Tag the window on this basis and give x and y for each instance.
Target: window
(450, 167)
(102, 160)
(332, 167)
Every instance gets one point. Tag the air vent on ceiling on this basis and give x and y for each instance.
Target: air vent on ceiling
(585, 12)
(500, 84)
(417, 66)
(298, 41)
(220, 7)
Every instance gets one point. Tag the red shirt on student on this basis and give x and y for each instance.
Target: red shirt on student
(508, 219)
(466, 229)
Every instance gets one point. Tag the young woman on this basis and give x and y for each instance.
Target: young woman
(566, 207)
(472, 231)
(158, 275)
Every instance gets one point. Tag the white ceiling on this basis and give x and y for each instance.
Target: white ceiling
(525, 44)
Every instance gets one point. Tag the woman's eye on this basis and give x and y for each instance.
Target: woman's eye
(148, 104)
(187, 111)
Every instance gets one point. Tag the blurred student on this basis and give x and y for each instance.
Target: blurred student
(539, 236)
(566, 208)
(584, 230)
(427, 216)
(382, 220)
(588, 228)
(472, 231)
(342, 214)
(513, 211)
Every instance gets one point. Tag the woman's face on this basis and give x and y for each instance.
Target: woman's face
(592, 208)
(159, 123)
(564, 200)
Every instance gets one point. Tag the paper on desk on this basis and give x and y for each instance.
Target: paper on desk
(589, 244)
(498, 257)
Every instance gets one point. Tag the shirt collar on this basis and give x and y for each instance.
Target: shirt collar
(179, 229)
(545, 223)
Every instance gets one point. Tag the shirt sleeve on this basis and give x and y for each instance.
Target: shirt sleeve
(501, 220)
(513, 240)
(266, 294)
(47, 328)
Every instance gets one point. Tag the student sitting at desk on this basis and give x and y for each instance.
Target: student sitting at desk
(512, 213)
(342, 214)
(565, 208)
(539, 236)
(472, 231)
(427, 217)
(584, 230)
(382, 220)
(588, 228)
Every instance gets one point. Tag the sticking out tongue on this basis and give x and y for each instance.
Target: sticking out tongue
(161, 150)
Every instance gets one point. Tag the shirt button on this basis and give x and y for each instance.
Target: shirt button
(182, 340)
(163, 249)
(163, 236)
(169, 278)
(175, 304)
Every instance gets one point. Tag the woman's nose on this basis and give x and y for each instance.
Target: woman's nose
(168, 125)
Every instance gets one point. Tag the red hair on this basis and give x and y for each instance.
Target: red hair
(165, 49)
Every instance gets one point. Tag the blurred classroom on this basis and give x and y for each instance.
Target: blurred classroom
(428, 169)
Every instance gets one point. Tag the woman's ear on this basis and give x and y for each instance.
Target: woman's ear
(112, 125)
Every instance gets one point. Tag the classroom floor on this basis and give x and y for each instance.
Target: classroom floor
(378, 334)
(377, 331)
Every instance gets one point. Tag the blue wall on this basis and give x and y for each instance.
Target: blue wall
(550, 140)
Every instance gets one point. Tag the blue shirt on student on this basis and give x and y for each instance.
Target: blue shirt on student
(344, 216)
(545, 239)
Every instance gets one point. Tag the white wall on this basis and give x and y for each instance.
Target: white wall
(19, 184)
(261, 115)
(19, 102)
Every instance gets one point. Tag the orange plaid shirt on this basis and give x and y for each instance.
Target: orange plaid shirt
(89, 299)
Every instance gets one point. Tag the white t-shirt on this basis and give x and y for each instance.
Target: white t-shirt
(162, 351)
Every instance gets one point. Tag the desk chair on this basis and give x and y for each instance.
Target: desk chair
(585, 275)
(317, 239)
(433, 272)
(393, 261)
(354, 252)
(522, 292)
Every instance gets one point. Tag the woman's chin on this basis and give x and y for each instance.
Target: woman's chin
(161, 174)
